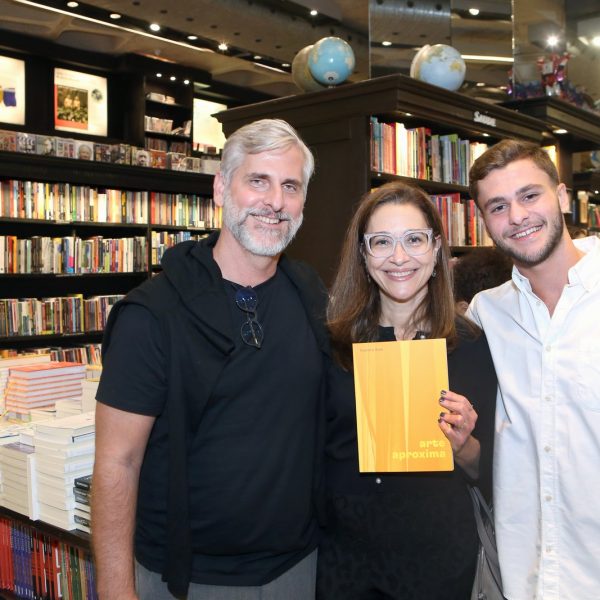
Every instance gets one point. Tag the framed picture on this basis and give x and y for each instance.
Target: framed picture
(207, 132)
(12, 90)
(80, 102)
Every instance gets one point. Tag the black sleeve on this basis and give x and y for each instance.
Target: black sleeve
(133, 372)
(472, 374)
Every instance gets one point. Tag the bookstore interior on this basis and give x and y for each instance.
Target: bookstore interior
(112, 118)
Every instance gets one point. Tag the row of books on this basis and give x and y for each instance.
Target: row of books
(88, 354)
(462, 221)
(593, 215)
(123, 154)
(420, 154)
(72, 314)
(65, 202)
(163, 240)
(71, 254)
(174, 147)
(38, 566)
(184, 211)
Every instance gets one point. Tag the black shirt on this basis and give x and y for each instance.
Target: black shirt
(252, 457)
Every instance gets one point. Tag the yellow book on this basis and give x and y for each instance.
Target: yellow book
(397, 387)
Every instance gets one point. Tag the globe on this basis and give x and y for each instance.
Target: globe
(301, 73)
(331, 61)
(439, 65)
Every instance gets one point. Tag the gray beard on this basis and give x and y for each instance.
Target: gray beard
(275, 243)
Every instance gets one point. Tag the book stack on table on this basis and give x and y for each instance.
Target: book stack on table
(65, 452)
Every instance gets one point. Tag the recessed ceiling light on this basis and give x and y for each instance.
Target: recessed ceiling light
(552, 40)
(72, 4)
(186, 82)
(474, 11)
(155, 27)
(314, 13)
(115, 16)
(560, 131)
(480, 84)
(159, 74)
(223, 46)
(192, 37)
(172, 78)
(485, 134)
(257, 57)
(285, 65)
(386, 43)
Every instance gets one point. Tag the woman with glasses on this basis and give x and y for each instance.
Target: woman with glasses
(403, 535)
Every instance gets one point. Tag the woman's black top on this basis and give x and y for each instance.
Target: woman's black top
(404, 536)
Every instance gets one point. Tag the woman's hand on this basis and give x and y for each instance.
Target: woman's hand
(457, 422)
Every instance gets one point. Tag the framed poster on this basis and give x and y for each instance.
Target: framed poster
(207, 131)
(12, 90)
(80, 102)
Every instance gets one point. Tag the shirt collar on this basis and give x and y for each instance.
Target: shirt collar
(585, 272)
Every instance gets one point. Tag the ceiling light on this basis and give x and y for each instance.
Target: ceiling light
(257, 57)
(552, 40)
(192, 37)
(314, 13)
(223, 46)
(480, 84)
(285, 65)
(596, 40)
(485, 134)
(386, 43)
(481, 57)
(159, 74)
(155, 27)
(172, 78)
(186, 82)
(115, 16)
(474, 11)
(72, 4)
(560, 131)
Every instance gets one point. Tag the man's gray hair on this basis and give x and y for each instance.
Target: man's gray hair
(263, 136)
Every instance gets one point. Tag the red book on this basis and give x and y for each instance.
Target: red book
(51, 369)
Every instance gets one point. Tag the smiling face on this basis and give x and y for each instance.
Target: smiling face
(263, 203)
(521, 207)
(400, 277)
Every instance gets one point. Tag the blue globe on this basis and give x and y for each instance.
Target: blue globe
(331, 61)
(439, 65)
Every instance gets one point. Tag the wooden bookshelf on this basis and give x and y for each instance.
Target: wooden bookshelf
(335, 124)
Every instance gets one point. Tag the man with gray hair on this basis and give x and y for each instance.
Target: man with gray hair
(209, 415)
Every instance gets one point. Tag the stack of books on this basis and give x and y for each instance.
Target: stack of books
(65, 451)
(6, 363)
(19, 488)
(81, 490)
(41, 385)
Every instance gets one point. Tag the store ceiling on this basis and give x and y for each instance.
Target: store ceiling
(273, 29)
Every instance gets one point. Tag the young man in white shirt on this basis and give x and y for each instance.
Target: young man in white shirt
(544, 334)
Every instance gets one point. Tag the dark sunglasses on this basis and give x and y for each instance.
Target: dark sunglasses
(251, 330)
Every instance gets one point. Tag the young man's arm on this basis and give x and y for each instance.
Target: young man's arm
(121, 439)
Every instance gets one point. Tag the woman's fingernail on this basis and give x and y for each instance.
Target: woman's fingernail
(442, 414)
(442, 398)
(443, 393)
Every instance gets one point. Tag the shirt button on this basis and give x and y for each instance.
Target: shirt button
(548, 348)
(548, 498)
(547, 449)
(378, 480)
(548, 398)
(548, 549)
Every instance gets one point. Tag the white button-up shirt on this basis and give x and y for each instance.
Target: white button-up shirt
(547, 445)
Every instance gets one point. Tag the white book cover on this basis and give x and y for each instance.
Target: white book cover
(68, 427)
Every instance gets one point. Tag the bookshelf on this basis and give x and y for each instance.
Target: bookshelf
(336, 124)
(70, 549)
(115, 256)
(582, 134)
